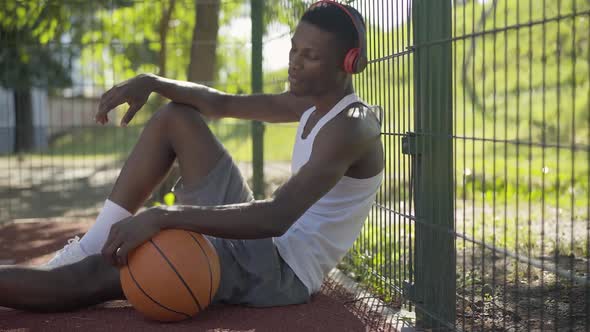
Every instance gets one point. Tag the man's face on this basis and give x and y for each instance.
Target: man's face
(314, 61)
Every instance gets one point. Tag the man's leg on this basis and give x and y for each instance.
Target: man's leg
(175, 131)
(85, 283)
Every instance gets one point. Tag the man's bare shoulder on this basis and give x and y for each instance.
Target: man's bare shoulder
(358, 121)
(354, 130)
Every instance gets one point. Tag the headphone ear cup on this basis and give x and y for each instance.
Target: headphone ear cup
(350, 60)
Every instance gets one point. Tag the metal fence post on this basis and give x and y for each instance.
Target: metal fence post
(257, 15)
(435, 284)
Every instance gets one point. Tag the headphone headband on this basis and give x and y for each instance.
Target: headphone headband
(355, 60)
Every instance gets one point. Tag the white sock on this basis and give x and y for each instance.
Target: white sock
(93, 241)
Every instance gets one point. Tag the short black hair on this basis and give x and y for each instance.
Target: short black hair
(331, 18)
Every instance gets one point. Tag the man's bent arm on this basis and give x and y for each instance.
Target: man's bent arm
(252, 220)
(212, 103)
(333, 153)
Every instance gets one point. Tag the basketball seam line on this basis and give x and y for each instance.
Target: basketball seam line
(209, 264)
(149, 297)
(179, 276)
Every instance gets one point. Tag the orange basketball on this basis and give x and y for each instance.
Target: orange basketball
(171, 277)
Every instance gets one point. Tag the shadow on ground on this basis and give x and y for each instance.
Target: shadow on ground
(46, 191)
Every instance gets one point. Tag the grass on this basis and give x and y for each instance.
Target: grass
(502, 173)
(235, 136)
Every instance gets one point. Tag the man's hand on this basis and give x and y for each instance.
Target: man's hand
(134, 92)
(129, 234)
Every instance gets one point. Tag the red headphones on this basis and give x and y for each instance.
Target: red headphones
(355, 60)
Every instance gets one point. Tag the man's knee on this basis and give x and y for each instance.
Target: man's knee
(187, 128)
(175, 114)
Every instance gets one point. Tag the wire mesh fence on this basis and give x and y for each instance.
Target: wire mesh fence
(382, 257)
(58, 57)
(521, 164)
(520, 152)
(516, 80)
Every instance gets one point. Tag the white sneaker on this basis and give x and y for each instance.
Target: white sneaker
(70, 254)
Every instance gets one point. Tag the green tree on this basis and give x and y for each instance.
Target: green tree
(28, 58)
(204, 42)
(39, 41)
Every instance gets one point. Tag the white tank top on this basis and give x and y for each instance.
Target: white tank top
(319, 239)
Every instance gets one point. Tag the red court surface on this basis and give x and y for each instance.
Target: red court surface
(33, 242)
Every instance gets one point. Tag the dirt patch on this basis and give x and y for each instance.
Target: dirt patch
(495, 294)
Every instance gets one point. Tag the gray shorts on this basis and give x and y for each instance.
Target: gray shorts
(252, 271)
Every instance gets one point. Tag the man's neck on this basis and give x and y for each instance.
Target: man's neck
(323, 104)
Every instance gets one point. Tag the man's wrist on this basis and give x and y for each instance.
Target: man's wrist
(161, 217)
(151, 81)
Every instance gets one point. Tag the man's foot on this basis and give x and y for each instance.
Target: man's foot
(70, 254)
